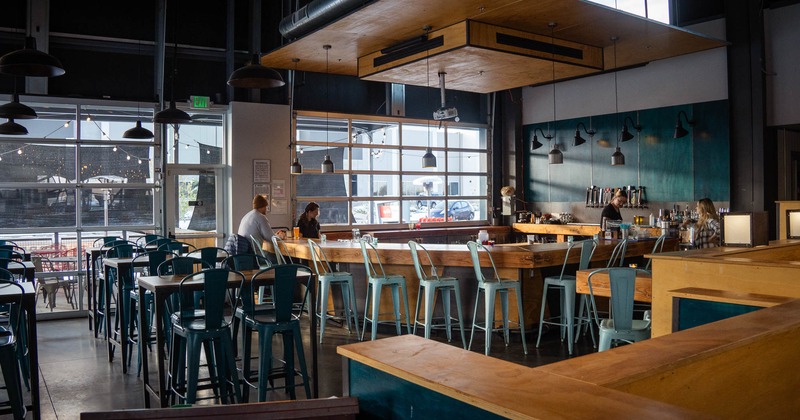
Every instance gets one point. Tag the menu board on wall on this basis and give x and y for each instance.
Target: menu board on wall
(261, 171)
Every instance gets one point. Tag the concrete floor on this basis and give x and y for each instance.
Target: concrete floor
(77, 377)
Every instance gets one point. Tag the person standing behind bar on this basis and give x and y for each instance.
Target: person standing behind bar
(707, 227)
(611, 211)
(308, 224)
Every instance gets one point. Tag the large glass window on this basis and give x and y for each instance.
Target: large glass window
(379, 178)
(75, 170)
(652, 9)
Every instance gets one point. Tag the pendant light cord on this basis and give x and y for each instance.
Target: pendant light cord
(616, 90)
(552, 26)
(327, 98)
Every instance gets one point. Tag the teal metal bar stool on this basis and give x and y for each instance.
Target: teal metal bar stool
(377, 280)
(9, 348)
(278, 321)
(284, 257)
(246, 262)
(327, 278)
(620, 324)
(428, 286)
(137, 332)
(565, 284)
(207, 327)
(491, 288)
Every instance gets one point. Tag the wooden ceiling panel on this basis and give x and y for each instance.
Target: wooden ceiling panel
(387, 22)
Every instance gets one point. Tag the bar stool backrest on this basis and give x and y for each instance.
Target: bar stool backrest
(14, 310)
(283, 285)
(319, 259)
(182, 266)
(11, 254)
(657, 248)
(244, 262)
(418, 265)
(105, 241)
(618, 254)
(281, 251)
(474, 247)
(587, 248)
(372, 271)
(215, 287)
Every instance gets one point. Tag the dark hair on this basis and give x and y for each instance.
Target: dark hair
(309, 208)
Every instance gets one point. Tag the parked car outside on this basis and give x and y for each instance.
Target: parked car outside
(459, 210)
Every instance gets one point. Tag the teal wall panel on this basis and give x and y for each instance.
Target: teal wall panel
(384, 396)
(672, 170)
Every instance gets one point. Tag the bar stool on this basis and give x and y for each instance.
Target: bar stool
(9, 348)
(327, 278)
(278, 321)
(428, 286)
(193, 328)
(377, 280)
(566, 283)
(491, 288)
(284, 257)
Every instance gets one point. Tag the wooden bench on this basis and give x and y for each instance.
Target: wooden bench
(329, 408)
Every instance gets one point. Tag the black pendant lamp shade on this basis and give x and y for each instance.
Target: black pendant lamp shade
(172, 115)
(617, 158)
(327, 165)
(296, 168)
(256, 76)
(10, 128)
(138, 132)
(555, 157)
(16, 110)
(428, 159)
(30, 62)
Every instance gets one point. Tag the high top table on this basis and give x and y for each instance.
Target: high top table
(162, 287)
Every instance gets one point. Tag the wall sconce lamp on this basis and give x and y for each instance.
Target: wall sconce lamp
(535, 144)
(580, 140)
(679, 130)
(626, 135)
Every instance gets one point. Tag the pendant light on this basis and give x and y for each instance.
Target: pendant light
(295, 168)
(30, 62)
(255, 76)
(555, 157)
(138, 132)
(617, 158)
(16, 110)
(10, 128)
(327, 164)
(429, 159)
(173, 115)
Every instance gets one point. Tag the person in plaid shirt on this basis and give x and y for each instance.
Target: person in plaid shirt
(707, 226)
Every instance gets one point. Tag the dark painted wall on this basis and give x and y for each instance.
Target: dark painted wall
(684, 169)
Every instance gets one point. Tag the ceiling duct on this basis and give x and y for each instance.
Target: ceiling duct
(315, 15)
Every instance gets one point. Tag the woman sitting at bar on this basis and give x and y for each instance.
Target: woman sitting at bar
(308, 224)
(707, 227)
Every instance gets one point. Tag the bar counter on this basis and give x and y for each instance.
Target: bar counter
(528, 263)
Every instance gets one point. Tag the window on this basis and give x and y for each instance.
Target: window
(657, 10)
(74, 170)
(379, 178)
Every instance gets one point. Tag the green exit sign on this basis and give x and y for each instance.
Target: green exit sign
(200, 101)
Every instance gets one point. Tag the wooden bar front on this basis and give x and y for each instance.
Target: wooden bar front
(529, 263)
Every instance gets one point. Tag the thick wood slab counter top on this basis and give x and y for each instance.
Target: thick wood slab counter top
(518, 256)
(500, 387)
(722, 272)
(740, 367)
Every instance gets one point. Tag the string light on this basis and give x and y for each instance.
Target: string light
(19, 151)
(66, 124)
(128, 157)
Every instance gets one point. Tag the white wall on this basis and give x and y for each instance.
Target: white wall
(691, 78)
(257, 131)
(782, 37)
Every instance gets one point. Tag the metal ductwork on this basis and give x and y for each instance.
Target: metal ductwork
(314, 15)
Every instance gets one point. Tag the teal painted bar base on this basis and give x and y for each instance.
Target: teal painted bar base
(694, 312)
(384, 396)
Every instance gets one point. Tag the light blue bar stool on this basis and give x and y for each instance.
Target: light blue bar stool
(327, 278)
(491, 288)
(428, 286)
(566, 284)
(377, 280)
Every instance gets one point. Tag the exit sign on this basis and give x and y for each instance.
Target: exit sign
(200, 101)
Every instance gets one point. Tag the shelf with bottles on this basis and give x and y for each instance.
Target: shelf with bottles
(602, 196)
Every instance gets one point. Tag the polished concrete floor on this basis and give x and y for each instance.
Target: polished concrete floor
(76, 375)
